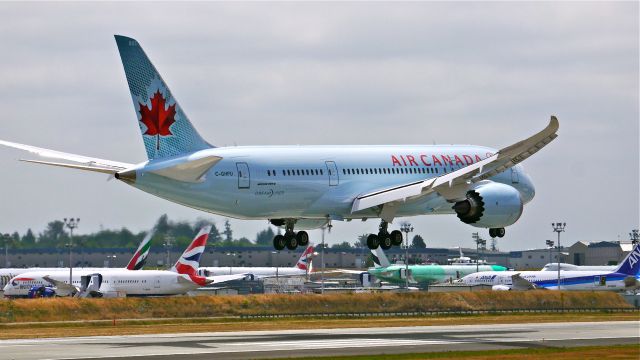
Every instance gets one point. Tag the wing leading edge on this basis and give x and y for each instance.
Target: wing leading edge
(454, 185)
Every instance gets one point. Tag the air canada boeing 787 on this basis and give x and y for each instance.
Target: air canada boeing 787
(306, 187)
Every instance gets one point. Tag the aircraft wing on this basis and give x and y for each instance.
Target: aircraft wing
(61, 287)
(454, 185)
(80, 162)
(519, 283)
(217, 279)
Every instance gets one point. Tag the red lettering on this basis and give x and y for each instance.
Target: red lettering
(412, 161)
(446, 159)
(404, 162)
(468, 159)
(478, 158)
(423, 158)
(435, 160)
(458, 160)
(395, 161)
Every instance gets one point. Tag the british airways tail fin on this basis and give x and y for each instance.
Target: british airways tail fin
(631, 264)
(304, 263)
(140, 256)
(189, 262)
(166, 130)
(379, 258)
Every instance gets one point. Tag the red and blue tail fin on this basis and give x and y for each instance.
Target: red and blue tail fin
(140, 256)
(304, 263)
(166, 130)
(190, 260)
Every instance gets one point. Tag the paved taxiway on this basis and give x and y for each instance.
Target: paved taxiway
(301, 343)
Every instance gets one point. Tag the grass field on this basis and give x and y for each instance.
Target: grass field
(66, 309)
(573, 353)
(134, 327)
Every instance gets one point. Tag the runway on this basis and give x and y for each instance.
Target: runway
(304, 343)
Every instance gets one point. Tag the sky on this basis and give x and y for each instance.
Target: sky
(330, 73)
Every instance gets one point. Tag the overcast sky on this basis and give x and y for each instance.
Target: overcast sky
(330, 73)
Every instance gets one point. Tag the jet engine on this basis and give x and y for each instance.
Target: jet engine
(501, 288)
(490, 205)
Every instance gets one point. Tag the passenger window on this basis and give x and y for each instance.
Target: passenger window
(321, 173)
(307, 172)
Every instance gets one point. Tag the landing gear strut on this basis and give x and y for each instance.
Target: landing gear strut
(290, 239)
(496, 232)
(384, 239)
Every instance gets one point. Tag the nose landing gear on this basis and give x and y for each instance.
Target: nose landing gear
(496, 232)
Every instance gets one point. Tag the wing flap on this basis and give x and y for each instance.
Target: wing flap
(454, 185)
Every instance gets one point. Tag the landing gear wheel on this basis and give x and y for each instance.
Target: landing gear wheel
(278, 242)
(500, 232)
(303, 238)
(492, 232)
(291, 241)
(385, 241)
(373, 242)
(396, 237)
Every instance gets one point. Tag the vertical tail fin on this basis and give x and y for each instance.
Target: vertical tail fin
(379, 258)
(166, 130)
(140, 256)
(190, 260)
(304, 263)
(631, 264)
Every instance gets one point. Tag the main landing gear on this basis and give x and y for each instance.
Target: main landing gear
(290, 239)
(384, 239)
(496, 232)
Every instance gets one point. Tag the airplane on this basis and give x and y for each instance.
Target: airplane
(302, 268)
(429, 274)
(308, 187)
(137, 262)
(110, 282)
(619, 279)
(565, 266)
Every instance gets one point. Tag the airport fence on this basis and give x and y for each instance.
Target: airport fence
(440, 312)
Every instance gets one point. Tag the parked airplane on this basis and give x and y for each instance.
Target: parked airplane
(181, 279)
(565, 266)
(625, 275)
(429, 274)
(137, 261)
(306, 187)
(302, 268)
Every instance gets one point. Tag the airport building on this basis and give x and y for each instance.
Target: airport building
(580, 253)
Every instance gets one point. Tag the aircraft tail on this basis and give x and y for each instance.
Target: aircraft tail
(166, 130)
(631, 263)
(190, 260)
(140, 256)
(379, 258)
(304, 263)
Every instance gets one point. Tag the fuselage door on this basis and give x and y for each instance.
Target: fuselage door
(332, 169)
(515, 178)
(244, 180)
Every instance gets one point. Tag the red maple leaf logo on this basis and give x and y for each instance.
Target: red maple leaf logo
(158, 120)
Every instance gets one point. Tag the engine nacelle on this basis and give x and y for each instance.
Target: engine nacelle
(490, 205)
(501, 288)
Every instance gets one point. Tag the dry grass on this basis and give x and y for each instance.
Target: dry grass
(66, 309)
(131, 327)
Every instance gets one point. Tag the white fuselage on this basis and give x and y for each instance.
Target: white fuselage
(569, 280)
(115, 281)
(257, 272)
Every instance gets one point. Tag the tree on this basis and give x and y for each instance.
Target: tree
(265, 237)
(162, 226)
(52, 235)
(28, 240)
(228, 233)
(418, 242)
(345, 245)
(362, 239)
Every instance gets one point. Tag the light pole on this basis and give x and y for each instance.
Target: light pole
(168, 242)
(406, 228)
(6, 238)
(329, 226)
(634, 236)
(233, 262)
(479, 241)
(550, 246)
(71, 224)
(558, 227)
